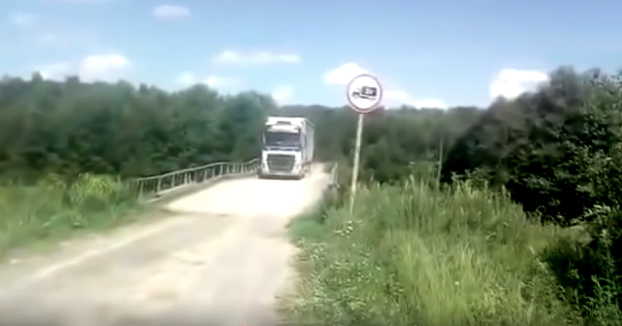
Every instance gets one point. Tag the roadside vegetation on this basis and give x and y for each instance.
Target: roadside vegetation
(412, 255)
(518, 223)
(53, 208)
(68, 148)
(521, 227)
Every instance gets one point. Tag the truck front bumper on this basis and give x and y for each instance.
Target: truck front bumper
(280, 174)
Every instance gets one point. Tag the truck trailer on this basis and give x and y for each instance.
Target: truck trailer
(288, 148)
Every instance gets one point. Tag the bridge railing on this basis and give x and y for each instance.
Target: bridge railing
(334, 177)
(167, 182)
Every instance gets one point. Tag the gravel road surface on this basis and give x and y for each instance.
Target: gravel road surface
(219, 260)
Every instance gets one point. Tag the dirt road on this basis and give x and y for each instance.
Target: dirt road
(220, 260)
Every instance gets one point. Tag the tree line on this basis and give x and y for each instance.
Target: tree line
(556, 151)
(118, 129)
(68, 127)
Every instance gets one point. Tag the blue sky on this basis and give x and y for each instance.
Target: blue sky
(442, 51)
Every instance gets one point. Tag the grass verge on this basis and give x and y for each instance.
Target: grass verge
(52, 209)
(412, 255)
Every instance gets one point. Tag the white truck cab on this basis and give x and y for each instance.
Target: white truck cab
(288, 147)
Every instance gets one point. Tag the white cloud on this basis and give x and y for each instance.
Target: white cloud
(55, 70)
(282, 93)
(232, 57)
(396, 95)
(22, 20)
(103, 67)
(510, 83)
(98, 67)
(217, 81)
(344, 74)
(170, 12)
(187, 79)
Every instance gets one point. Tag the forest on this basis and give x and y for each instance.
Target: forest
(118, 129)
(554, 155)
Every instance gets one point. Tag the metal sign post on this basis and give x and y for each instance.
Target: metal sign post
(364, 94)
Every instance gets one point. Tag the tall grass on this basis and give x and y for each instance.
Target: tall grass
(415, 255)
(53, 208)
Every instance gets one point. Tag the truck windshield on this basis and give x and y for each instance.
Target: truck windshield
(282, 139)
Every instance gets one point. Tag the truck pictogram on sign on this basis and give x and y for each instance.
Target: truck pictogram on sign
(366, 92)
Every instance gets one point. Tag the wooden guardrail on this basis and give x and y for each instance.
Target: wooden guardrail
(160, 184)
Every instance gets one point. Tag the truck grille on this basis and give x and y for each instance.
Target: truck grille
(281, 162)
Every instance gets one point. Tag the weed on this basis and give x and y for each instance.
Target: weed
(416, 255)
(52, 208)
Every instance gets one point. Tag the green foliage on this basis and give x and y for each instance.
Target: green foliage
(66, 147)
(549, 148)
(412, 255)
(52, 208)
(558, 152)
(587, 262)
(392, 139)
(117, 129)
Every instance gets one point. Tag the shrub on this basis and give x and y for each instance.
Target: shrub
(588, 264)
(54, 207)
(413, 255)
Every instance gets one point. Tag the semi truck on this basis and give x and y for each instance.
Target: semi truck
(288, 148)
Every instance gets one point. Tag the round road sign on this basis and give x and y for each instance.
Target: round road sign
(364, 93)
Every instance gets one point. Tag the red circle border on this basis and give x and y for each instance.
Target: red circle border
(373, 108)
